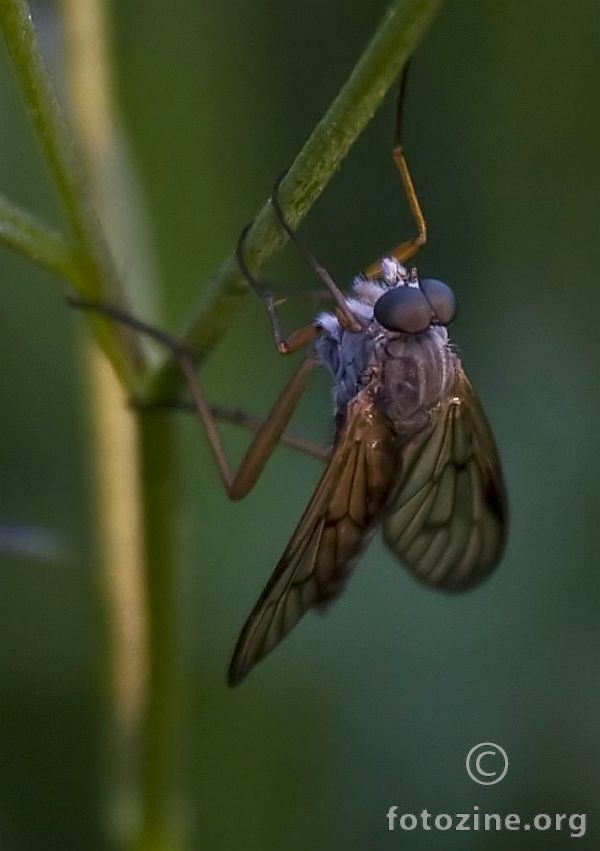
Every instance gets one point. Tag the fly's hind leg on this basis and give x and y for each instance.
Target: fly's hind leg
(267, 433)
(236, 416)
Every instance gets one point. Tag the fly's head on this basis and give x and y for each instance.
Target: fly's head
(407, 305)
(395, 304)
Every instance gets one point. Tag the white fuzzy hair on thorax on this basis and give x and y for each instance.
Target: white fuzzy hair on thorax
(366, 292)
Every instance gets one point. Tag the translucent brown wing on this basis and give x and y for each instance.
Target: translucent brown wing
(447, 518)
(336, 525)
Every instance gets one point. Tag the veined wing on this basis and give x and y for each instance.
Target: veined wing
(336, 525)
(447, 518)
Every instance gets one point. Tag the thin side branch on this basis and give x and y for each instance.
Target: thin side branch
(37, 242)
(98, 279)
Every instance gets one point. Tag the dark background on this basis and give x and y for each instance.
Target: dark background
(378, 703)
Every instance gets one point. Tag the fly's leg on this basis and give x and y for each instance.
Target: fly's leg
(235, 416)
(407, 249)
(268, 433)
(284, 345)
(320, 271)
(307, 334)
(238, 484)
(254, 424)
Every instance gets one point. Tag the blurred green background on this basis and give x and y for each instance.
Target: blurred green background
(379, 702)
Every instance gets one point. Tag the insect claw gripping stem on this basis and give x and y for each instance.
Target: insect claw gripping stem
(284, 345)
(264, 296)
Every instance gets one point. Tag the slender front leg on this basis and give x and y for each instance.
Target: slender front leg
(237, 484)
(350, 321)
(407, 249)
(284, 345)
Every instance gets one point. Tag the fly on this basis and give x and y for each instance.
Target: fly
(412, 449)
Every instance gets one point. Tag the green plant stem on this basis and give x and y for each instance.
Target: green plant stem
(137, 474)
(98, 280)
(378, 68)
(159, 473)
(45, 247)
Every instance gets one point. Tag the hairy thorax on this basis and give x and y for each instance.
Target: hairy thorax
(417, 373)
(408, 375)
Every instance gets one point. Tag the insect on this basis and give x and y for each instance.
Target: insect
(412, 449)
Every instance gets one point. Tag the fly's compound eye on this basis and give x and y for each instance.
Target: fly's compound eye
(412, 310)
(441, 298)
(403, 309)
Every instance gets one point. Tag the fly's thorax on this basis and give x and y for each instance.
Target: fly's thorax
(402, 353)
(417, 373)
